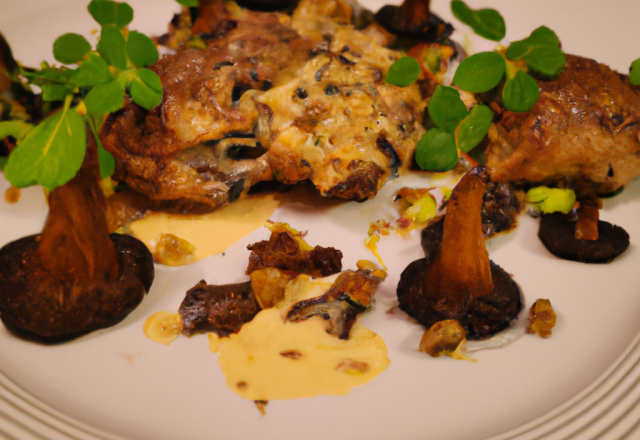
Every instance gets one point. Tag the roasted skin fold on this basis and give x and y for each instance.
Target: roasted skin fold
(583, 133)
(271, 97)
(74, 277)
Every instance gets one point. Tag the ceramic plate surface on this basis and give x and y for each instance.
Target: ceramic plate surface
(582, 383)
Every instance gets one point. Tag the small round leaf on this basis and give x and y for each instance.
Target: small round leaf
(520, 93)
(403, 72)
(112, 46)
(141, 50)
(480, 72)
(145, 88)
(436, 151)
(548, 61)
(474, 127)
(105, 98)
(70, 48)
(487, 23)
(446, 109)
(110, 12)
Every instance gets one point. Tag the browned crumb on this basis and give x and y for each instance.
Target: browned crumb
(542, 318)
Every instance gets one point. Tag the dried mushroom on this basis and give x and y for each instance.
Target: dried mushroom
(558, 234)
(350, 295)
(74, 277)
(456, 279)
(220, 309)
(286, 250)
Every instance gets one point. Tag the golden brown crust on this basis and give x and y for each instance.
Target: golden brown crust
(305, 94)
(584, 133)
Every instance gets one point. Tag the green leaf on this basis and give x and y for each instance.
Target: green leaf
(110, 12)
(16, 129)
(634, 74)
(474, 127)
(436, 151)
(403, 72)
(446, 109)
(541, 37)
(51, 154)
(112, 47)
(480, 72)
(141, 50)
(487, 23)
(56, 92)
(70, 48)
(188, 3)
(106, 162)
(93, 71)
(548, 61)
(520, 93)
(105, 98)
(3, 162)
(145, 88)
(541, 51)
(47, 74)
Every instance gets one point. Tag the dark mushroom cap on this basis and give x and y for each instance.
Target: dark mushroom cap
(557, 233)
(38, 305)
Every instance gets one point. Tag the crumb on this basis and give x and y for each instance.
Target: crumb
(261, 404)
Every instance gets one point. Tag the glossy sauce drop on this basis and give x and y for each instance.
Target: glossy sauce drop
(12, 195)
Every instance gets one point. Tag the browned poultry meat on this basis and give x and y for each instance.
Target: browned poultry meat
(583, 133)
(271, 97)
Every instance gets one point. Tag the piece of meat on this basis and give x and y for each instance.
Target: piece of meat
(267, 101)
(583, 133)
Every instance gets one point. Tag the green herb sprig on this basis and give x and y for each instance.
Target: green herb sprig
(455, 128)
(51, 153)
(458, 129)
(541, 54)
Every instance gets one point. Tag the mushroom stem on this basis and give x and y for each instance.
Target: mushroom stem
(461, 270)
(76, 227)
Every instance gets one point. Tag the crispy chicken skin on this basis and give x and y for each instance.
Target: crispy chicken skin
(271, 97)
(583, 133)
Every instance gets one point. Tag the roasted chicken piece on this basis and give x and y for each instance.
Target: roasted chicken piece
(583, 133)
(271, 97)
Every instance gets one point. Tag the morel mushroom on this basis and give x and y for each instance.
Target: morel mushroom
(456, 280)
(74, 277)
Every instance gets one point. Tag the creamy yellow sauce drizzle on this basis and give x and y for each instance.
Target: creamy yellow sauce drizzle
(212, 233)
(270, 359)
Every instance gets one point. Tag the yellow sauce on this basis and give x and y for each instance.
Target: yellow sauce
(212, 233)
(270, 359)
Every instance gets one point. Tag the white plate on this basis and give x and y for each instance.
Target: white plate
(580, 383)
